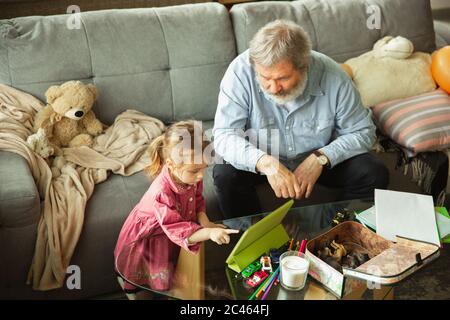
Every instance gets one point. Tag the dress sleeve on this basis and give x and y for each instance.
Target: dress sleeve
(174, 225)
(199, 199)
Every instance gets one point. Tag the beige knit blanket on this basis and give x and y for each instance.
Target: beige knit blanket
(121, 150)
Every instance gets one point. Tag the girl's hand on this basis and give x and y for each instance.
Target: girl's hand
(220, 235)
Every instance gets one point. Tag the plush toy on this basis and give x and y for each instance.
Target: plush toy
(440, 67)
(390, 71)
(40, 144)
(68, 120)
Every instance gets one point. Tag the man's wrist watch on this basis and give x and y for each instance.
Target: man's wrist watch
(323, 160)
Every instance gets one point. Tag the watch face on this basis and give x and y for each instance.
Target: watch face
(323, 160)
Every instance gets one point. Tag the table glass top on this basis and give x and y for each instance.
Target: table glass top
(206, 275)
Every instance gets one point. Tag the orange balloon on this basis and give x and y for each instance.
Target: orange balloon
(440, 68)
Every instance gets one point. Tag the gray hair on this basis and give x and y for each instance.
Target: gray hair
(279, 40)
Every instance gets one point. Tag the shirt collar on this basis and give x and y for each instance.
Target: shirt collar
(315, 71)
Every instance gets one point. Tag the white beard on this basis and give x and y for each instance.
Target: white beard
(293, 94)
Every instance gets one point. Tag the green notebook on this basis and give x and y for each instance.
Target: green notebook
(367, 217)
(259, 238)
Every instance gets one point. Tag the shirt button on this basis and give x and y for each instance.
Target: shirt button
(190, 199)
(287, 128)
(190, 211)
(290, 148)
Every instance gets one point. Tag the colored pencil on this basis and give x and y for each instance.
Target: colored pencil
(302, 247)
(266, 283)
(290, 244)
(260, 287)
(297, 246)
(270, 286)
(273, 275)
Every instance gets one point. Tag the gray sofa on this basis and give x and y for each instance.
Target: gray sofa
(168, 63)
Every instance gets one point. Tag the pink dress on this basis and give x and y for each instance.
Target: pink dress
(147, 250)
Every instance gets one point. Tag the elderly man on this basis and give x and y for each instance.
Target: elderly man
(315, 128)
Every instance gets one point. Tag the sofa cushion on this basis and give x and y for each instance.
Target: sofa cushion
(156, 60)
(442, 33)
(105, 214)
(329, 28)
(19, 197)
(418, 123)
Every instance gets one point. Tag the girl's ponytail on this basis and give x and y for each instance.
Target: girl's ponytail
(155, 151)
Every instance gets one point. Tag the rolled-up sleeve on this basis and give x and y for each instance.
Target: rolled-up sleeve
(232, 114)
(174, 225)
(355, 130)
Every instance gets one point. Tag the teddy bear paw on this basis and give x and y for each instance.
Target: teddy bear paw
(83, 139)
(96, 129)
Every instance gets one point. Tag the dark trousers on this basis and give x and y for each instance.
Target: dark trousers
(357, 177)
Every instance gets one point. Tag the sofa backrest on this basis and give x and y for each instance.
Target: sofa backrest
(338, 28)
(166, 62)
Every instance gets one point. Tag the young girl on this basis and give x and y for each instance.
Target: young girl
(170, 215)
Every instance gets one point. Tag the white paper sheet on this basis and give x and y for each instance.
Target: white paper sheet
(409, 215)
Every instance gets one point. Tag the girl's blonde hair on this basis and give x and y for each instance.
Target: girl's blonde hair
(162, 147)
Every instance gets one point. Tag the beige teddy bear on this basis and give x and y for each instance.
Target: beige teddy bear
(68, 120)
(392, 70)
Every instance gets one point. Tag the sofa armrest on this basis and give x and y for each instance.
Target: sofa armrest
(442, 29)
(19, 197)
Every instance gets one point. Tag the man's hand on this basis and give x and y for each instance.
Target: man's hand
(283, 182)
(307, 174)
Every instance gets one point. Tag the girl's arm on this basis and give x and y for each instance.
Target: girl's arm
(218, 235)
(176, 228)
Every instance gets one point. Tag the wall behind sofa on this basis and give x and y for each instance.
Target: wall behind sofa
(21, 8)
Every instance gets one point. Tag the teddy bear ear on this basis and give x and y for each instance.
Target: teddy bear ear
(93, 90)
(382, 42)
(53, 93)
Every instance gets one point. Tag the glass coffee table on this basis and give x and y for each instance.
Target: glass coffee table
(206, 275)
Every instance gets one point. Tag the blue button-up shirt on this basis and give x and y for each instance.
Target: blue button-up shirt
(328, 116)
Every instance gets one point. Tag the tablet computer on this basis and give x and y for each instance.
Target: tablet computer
(265, 234)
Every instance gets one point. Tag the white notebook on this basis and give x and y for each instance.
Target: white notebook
(408, 215)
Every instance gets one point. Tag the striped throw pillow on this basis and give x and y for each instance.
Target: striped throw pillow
(420, 123)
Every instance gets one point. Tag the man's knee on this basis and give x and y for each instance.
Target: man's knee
(373, 171)
(382, 177)
(224, 175)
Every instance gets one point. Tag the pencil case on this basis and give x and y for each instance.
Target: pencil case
(389, 262)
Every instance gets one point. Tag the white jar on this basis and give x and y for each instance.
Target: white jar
(294, 270)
